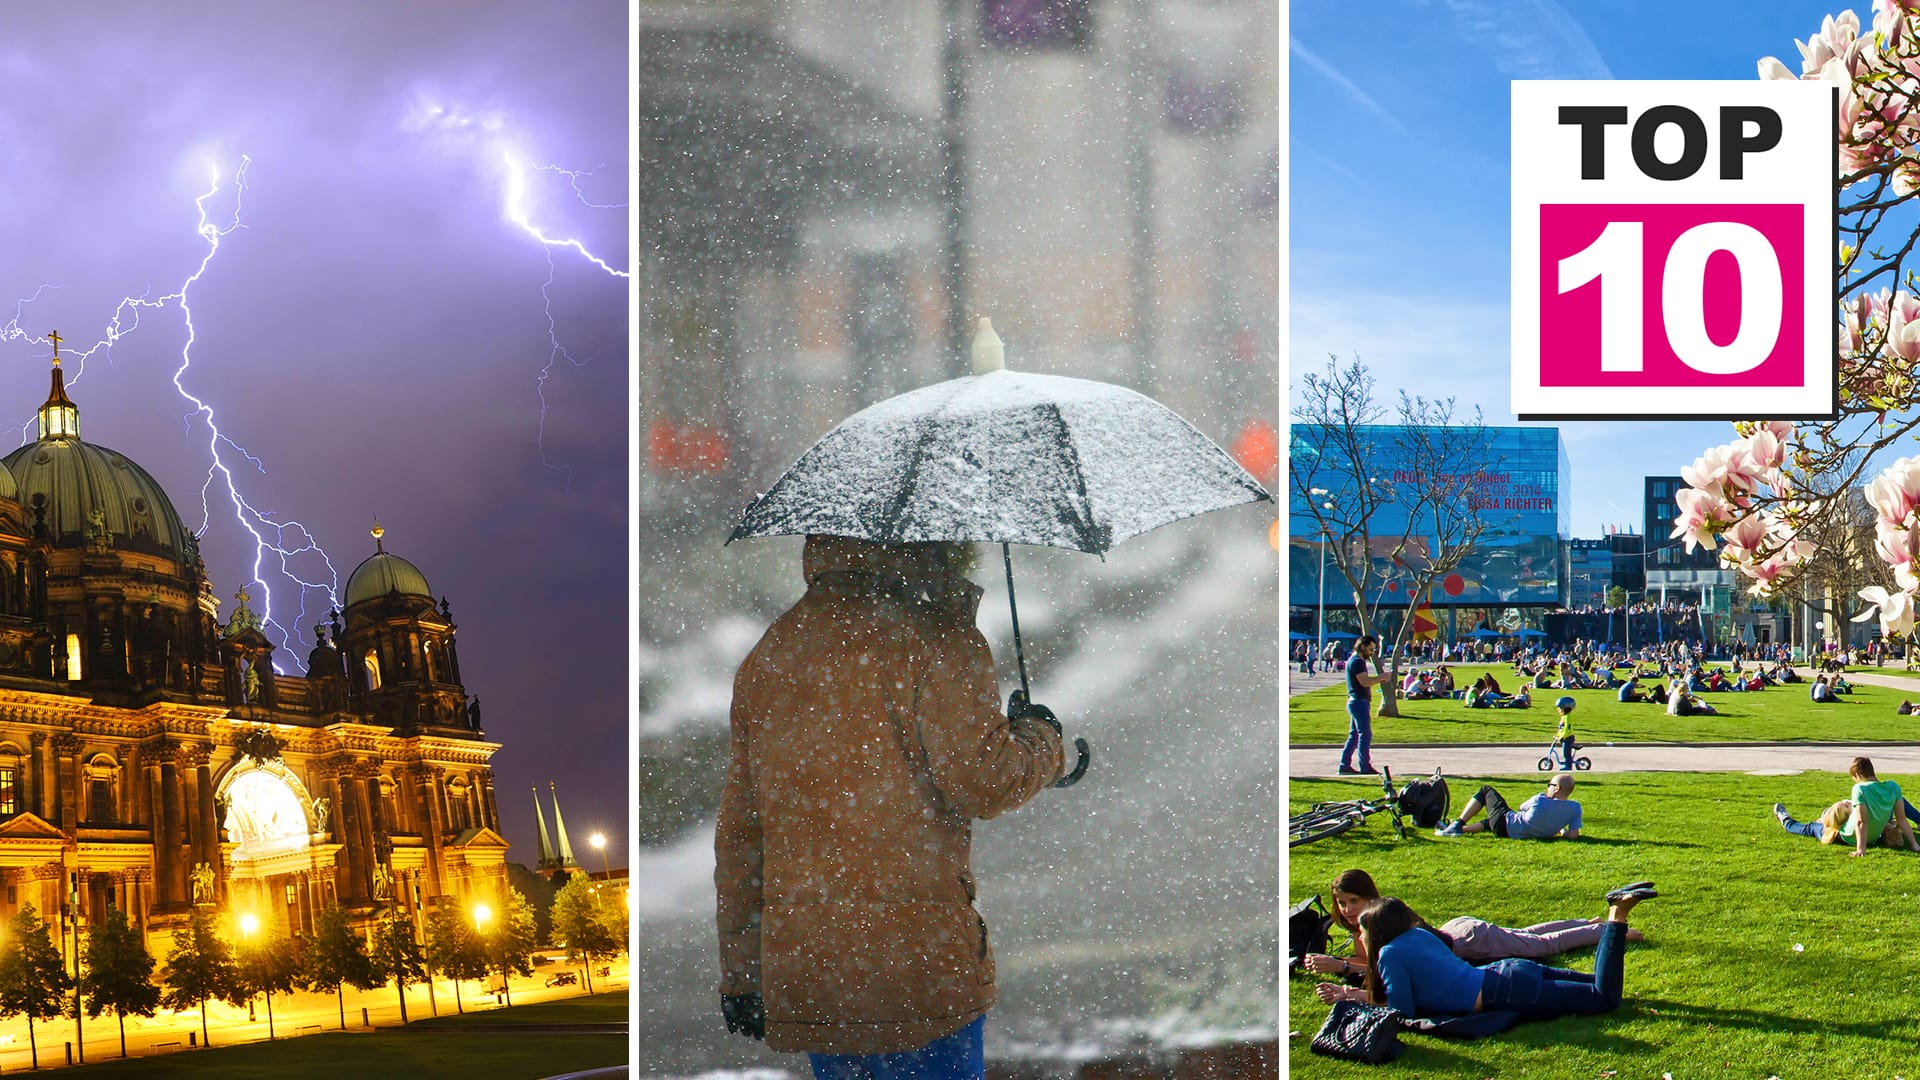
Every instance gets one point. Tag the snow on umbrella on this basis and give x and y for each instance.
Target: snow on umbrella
(1004, 457)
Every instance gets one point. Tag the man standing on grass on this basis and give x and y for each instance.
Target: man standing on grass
(1360, 684)
(1542, 817)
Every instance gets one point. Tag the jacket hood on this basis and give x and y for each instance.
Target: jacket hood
(895, 564)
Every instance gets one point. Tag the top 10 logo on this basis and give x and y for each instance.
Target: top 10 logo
(1673, 249)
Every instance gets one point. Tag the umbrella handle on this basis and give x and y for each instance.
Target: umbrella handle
(1079, 770)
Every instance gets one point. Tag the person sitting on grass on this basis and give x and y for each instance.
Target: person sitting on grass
(1840, 685)
(1821, 691)
(1681, 702)
(1476, 941)
(1410, 971)
(1443, 682)
(1541, 817)
(1874, 811)
(1630, 692)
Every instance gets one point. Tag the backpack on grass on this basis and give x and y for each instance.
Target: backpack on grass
(1425, 801)
(1307, 925)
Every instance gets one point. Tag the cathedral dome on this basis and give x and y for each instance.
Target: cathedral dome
(76, 488)
(72, 480)
(384, 573)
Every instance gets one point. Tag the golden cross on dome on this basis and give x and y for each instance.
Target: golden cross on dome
(54, 336)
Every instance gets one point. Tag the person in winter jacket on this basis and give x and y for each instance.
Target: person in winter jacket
(866, 737)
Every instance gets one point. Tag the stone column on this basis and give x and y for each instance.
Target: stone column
(207, 831)
(354, 787)
(157, 826)
(424, 777)
(169, 843)
(35, 798)
(488, 807)
(66, 756)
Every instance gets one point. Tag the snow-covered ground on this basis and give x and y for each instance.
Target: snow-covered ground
(1136, 909)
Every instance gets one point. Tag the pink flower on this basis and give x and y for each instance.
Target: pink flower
(1701, 514)
(1748, 533)
(1896, 492)
(1895, 609)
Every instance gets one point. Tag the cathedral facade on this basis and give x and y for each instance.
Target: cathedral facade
(152, 758)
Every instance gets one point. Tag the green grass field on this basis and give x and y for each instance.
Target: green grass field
(1719, 989)
(1778, 713)
(428, 1049)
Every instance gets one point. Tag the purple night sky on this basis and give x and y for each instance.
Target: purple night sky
(376, 332)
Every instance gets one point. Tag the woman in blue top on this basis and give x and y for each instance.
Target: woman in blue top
(1416, 974)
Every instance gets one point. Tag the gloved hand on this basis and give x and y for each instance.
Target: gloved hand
(746, 1014)
(1018, 708)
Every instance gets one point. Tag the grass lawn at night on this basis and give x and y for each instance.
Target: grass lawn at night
(585, 1009)
(1778, 713)
(432, 1048)
(1718, 989)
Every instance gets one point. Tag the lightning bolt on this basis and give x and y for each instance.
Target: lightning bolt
(276, 541)
(516, 212)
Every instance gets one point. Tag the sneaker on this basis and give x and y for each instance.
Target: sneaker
(1348, 770)
(1780, 811)
(1451, 828)
(1369, 771)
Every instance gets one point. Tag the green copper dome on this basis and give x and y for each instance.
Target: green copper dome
(74, 480)
(381, 574)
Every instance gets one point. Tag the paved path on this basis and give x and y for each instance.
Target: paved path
(1488, 759)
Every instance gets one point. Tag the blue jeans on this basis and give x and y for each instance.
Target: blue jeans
(1360, 736)
(1566, 753)
(1813, 828)
(958, 1056)
(1538, 992)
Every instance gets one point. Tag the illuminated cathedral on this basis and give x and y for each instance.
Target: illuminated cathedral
(153, 760)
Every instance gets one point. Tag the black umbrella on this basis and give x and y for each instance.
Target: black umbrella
(1008, 458)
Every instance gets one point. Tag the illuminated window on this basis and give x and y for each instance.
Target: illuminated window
(57, 420)
(73, 657)
(372, 661)
(9, 790)
(100, 800)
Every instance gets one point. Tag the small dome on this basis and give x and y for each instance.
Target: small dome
(383, 573)
(74, 479)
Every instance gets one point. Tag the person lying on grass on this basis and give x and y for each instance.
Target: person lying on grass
(1412, 972)
(1476, 941)
(1874, 811)
(1542, 817)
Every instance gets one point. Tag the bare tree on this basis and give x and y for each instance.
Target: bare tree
(1354, 477)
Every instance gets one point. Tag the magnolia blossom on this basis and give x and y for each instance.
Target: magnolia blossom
(1895, 493)
(1895, 609)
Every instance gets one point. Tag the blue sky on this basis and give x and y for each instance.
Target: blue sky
(1398, 172)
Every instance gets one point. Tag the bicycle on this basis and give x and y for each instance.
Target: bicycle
(1322, 820)
(1550, 762)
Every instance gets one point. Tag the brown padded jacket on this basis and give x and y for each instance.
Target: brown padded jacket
(866, 733)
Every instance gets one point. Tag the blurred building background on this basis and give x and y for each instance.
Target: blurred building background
(1110, 185)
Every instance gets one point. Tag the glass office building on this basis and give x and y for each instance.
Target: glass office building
(1521, 498)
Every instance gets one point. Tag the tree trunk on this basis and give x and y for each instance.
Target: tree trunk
(269, 1016)
(31, 1045)
(122, 1017)
(456, 998)
(402, 985)
(340, 995)
(506, 984)
(589, 974)
(203, 1023)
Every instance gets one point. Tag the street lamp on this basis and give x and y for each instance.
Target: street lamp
(1326, 538)
(482, 915)
(599, 842)
(249, 924)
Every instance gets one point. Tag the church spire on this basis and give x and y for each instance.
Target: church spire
(565, 860)
(59, 418)
(547, 861)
